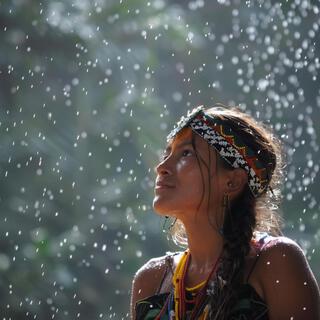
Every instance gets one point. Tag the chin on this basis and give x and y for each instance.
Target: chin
(160, 207)
(163, 207)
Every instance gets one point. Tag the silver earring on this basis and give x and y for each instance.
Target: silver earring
(166, 218)
(226, 208)
(173, 223)
(225, 202)
(164, 226)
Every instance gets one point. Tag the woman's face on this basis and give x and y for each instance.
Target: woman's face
(179, 187)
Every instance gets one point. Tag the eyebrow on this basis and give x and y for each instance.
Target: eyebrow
(182, 144)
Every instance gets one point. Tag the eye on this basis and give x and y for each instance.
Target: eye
(186, 152)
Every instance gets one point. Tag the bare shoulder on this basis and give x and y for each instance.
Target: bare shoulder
(289, 285)
(148, 278)
(281, 251)
(281, 254)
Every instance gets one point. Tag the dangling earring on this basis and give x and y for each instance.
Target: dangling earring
(225, 202)
(164, 229)
(164, 226)
(173, 223)
(225, 206)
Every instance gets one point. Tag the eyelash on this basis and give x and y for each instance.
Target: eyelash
(165, 156)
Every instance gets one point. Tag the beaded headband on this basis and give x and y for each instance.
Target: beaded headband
(229, 145)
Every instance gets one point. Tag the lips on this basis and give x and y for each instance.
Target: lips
(163, 184)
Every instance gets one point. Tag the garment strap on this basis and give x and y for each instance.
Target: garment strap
(254, 264)
(263, 243)
(169, 267)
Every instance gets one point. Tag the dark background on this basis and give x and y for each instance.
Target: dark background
(88, 92)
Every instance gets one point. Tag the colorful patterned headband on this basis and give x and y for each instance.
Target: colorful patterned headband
(229, 145)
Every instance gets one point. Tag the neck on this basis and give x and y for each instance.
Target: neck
(205, 245)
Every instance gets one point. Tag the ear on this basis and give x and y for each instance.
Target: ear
(236, 181)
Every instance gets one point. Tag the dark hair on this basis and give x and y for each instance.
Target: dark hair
(251, 214)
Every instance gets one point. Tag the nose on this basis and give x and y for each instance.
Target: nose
(162, 168)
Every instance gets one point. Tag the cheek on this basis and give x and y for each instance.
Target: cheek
(187, 165)
(189, 169)
(200, 186)
(190, 180)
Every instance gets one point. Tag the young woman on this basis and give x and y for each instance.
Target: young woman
(219, 180)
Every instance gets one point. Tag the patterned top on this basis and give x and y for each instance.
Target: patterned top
(249, 306)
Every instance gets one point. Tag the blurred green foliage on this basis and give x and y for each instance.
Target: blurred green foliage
(88, 92)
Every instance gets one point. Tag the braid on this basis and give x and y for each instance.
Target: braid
(238, 226)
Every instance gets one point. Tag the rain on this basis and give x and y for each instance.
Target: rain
(89, 91)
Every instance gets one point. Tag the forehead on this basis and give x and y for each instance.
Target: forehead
(187, 135)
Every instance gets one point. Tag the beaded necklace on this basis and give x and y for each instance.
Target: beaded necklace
(180, 300)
